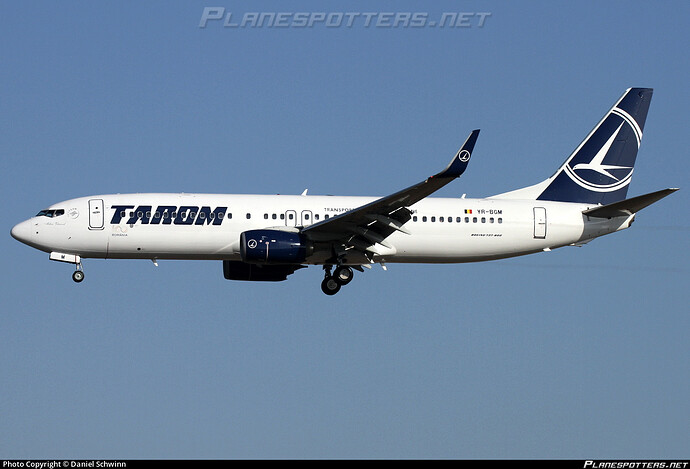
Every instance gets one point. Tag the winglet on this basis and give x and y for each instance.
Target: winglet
(459, 162)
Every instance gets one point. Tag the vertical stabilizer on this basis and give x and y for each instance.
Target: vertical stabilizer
(600, 169)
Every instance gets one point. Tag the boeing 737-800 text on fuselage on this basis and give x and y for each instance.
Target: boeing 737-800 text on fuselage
(268, 237)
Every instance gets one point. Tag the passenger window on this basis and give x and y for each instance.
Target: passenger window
(500, 220)
(440, 219)
(491, 220)
(467, 219)
(249, 215)
(458, 219)
(433, 219)
(474, 219)
(483, 219)
(316, 217)
(274, 216)
(414, 218)
(424, 219)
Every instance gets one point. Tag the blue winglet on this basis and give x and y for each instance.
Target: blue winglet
(458, 164)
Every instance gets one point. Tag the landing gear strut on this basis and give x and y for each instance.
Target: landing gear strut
(331, 283)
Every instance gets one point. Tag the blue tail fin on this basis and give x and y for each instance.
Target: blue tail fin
(601, 167)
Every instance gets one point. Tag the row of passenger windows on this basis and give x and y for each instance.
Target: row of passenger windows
(424, 218)
(274, 216)
(202, 215)
(290, 216)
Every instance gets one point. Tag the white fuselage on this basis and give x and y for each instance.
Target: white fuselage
(208, 226)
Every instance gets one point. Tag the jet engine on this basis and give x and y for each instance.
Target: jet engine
(274, 247)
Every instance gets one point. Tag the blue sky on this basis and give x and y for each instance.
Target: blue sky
(576, 353)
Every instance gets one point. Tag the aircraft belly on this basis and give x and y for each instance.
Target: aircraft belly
(450, 249)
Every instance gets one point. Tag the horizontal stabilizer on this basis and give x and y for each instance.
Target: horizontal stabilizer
(628, 206)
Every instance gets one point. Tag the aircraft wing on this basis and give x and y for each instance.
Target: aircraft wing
(364, 227)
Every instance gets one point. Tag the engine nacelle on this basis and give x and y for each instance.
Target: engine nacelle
(274, 247)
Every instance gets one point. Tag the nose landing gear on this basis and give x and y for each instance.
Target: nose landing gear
(341, 276)
(78, 274)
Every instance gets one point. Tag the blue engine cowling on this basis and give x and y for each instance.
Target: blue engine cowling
(273, 247)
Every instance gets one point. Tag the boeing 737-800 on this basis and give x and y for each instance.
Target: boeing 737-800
(269, 237)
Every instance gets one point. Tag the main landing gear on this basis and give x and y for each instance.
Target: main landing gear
(341, 276)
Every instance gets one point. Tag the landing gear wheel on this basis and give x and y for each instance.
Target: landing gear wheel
(330, 286)
(343, 275)
(78, 276)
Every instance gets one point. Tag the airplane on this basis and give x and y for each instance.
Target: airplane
(269, 237)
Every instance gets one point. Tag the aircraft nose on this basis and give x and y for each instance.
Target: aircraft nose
(22, 231)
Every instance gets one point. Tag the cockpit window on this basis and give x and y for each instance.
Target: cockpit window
(51, 213)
